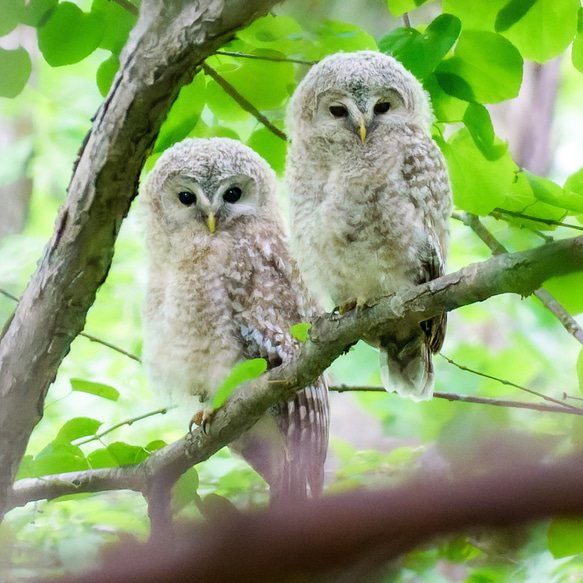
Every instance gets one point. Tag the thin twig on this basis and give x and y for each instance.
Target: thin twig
(469, 399)
(265, 58)
(128, 422)
(545, 297)
(406, 20)
(498, 211)
(246, 105)
(514, 385)
(86, 334)
(131, 8)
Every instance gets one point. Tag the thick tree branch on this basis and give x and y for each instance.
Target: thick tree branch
(510, 273)
(169, 42)
(335, 533)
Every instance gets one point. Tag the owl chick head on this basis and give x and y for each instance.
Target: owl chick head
(350, 96)
(207, 187)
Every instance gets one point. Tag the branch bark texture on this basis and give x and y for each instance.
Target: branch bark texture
(168, 44)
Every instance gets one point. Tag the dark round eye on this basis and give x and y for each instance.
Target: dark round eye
(382, 107)
(187, 198)
(338, 110)
(232, 194)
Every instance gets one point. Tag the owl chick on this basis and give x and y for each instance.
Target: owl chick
(370, 198)
(222, 288)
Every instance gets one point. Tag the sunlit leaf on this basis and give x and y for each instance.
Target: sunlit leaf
(565, 537)
(300, 331)
(512, 13)
(244, 371)
(485, 68)
(479, 185)
(551, 193)
(105, 74)
(36, 12)
(101, 458)
(477, 120)
(270, 147)
(185, 489)
(118, 22)
(59, 458)
(577, 48)
(419, 52)
(76, 428)
(334, 37)
(97, 389)
(12, 12)
(69, 35)
(580, 370)
(279, 33)
(399, 7)
(567, 289)
(126, 454)
(16, 67)
(183, 115)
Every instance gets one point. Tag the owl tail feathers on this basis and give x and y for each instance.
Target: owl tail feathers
(407, 368)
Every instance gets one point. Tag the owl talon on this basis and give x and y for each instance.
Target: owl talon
(202, 419)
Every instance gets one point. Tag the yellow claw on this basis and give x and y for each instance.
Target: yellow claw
(362, 131)
(211, 223)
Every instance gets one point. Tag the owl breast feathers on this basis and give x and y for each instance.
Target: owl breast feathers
(370, 198)
(222, 288)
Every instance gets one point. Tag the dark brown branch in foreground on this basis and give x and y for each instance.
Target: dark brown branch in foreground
(330, 535)
(545, 297)
(244, 103)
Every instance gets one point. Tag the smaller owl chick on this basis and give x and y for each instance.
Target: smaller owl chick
(370, 198)
(222, 288)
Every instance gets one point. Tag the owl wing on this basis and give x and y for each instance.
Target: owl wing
(269, 298)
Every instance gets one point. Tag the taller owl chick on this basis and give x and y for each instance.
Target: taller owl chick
(370, 198)
(222, 288)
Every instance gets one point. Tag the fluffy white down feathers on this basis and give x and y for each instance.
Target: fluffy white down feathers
(222, 288)
(370, 197)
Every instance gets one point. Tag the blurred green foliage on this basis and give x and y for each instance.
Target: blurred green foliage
(467, 54)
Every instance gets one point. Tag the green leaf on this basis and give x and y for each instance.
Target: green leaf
(580, 370)
(185, 489)
(485, 68)
(573, 189)
(101, 458)
(553, 194)
(26, 468)
(479, 185)
(118, 23)
(419, 52)
(399, 7)
(565, 537)
(126, 454)
(12, 12)
(155, 445)
(183, 115)
(59, 458)
(37, 12)
(445, 107)
(334, 37)
(477, 120)
(222, 104)
(512, 13)
(97, 389)
(278, 33)
(76, 428)
(105, 74)
(270, 147)
(70, 35)
(546, 30)
(244, 371)
(577, 48)
(567, 289)
(16, 67)
(475, 14)
(300, 331)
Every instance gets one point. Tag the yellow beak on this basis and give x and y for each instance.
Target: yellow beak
(210, 221)
(362, 131)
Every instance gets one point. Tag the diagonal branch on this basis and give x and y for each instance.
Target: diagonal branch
(510, 273)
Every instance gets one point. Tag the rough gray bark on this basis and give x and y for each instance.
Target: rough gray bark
(519, 273)
(170, 40)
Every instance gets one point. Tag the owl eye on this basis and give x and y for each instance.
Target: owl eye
(382, 107)
(338, 110)
(187, 198)
(232, 194)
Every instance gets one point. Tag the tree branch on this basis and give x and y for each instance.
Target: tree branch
(167, 45)
(244, 103)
